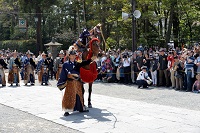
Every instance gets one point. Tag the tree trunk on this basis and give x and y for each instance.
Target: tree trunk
(169, 28)
(175, 26)
(39, 46)
(84, 14)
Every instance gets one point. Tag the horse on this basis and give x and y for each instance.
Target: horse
(88, 45)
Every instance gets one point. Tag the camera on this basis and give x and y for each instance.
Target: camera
(124, 56)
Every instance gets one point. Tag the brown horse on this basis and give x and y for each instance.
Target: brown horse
(89, 48)
(89, 72)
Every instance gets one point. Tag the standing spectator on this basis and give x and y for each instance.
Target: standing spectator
(121, 71)
(178, 68)
(127, 69)
(163, 68)
(170, 59)
(140, 60)
(153, 69)
(197, 63)
(189, 70)
(116, 64)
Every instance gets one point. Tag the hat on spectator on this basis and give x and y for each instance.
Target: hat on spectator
(161, 50)
(144, 67)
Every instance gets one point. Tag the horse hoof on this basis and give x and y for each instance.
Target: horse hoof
(89, 105)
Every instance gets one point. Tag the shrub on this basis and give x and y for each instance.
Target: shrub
(19, 45)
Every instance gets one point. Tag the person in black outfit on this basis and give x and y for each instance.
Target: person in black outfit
(3, 66)
(50, 66)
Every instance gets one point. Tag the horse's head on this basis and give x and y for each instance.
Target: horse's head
(96, 31)
(95, 46)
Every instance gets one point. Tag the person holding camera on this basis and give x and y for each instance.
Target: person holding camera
(127, 69)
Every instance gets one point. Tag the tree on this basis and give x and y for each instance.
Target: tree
(38, 6)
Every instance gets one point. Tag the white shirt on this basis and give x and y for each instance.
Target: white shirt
(142, 75)
(197, 61)
(103, 59)
(126, 62)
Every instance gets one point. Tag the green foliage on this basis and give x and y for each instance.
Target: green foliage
(19, 45)
(65, 19)
(66, 38)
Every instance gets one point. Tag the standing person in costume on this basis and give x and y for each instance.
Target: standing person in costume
(14, 66)
(3, 66)
(69, 78)
(29, 66)
(58, 64)
(42, 70)
(50, 66)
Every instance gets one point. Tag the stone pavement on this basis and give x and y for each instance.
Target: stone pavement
(108, 115)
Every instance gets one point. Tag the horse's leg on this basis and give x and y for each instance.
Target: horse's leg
(89, 96)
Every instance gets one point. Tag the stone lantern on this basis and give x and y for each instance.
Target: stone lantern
(53, 47)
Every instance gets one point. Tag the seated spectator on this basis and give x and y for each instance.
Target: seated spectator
(109, 74)
(143, 78)
(102, 71)
(196, 85)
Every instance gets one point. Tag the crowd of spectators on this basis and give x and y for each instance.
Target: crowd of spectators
(177, 68)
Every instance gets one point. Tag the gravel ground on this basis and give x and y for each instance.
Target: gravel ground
(16, 121)
(155, 95)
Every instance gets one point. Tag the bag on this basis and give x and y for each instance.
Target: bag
(149, 81)
(177, 75)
